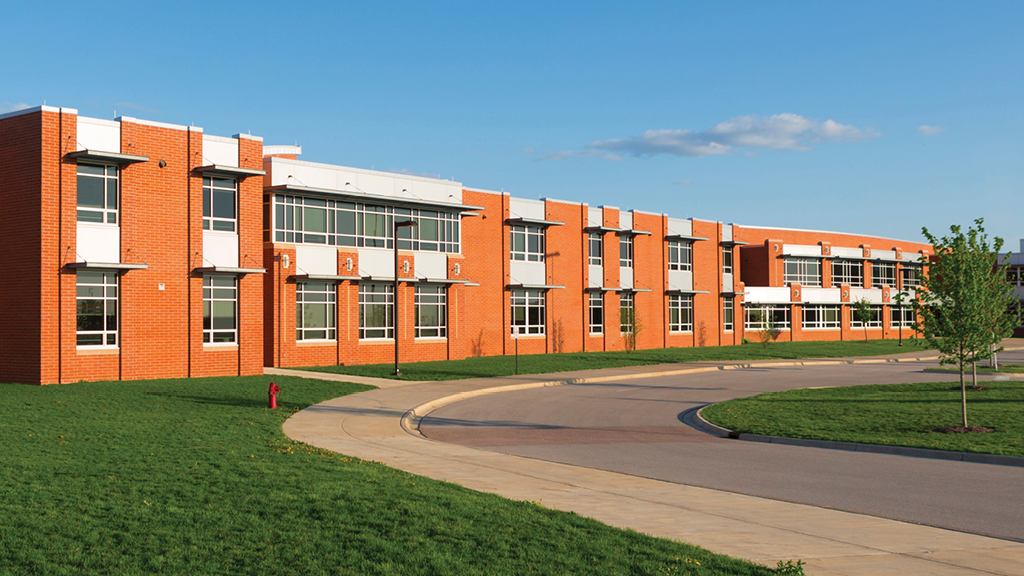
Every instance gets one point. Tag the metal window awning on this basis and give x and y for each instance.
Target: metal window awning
(533, 287)
(324, 277)
(107, 157)
(732, 293)
(625, 289)
(230, 270)
(372, 278)
(685, 237)
(601, 229)
(228, 171)
(632, 232)
(680, 291)
(534, 222)
(374, 198)
(443, 281)
(119, 266)
(602, 288)
(733, 243)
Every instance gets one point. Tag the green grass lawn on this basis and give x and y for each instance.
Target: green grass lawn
(890, 414)
(196, 477)
(489, 366)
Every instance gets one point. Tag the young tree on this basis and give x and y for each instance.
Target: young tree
(963, 306)
(767, 331)
(862, 308)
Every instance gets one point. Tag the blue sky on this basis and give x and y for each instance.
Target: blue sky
(876, 118)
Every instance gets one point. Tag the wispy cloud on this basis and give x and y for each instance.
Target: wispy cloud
(931, 130)
(684, 182)
(527, 150)
(6, 107)
(744, 133)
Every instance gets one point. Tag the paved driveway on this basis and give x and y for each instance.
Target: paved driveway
(635, 427)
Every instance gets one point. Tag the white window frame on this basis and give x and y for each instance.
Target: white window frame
(778, 312)
(816, 317)
(727, 259)
(531, 240)
(595, 247)
(210, 188)
(529, 312)
(876, 277)
(216, 290)
(432, 296)
(901, 313)
(728, 314)
(104, 292)
(680, 313)
(803, 273)
(626, 245)
(627, 312)
(595, 308)
(374, 299)
(875, 322)
(308, 297)
(680, 255)
(111, 177)
(850, 272)
(905, 275)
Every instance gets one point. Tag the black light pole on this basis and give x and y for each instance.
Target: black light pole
(398, 224)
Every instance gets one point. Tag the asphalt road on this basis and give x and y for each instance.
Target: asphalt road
(634, 427)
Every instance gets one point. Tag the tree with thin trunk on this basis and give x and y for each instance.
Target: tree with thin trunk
(862, 308)
(963, 306)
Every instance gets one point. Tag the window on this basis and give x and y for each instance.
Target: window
(680, 255)
(528, 243)
(626, 251)
(376, 310)
(320, 221)
(528, 311)
(727, 260)
(431, 311)
(627, 312)
(901, 315)
(760, 316)
(874, 319)
(220, 305)
(727, 315)
(680, 313)
(596, 313)
(911, 275)
(96, 294)
(315, 311)
(883, 274)
(822, 317)
(849, 272)
(805, 271)
(596, 242)
(97, 193)
(219, 204)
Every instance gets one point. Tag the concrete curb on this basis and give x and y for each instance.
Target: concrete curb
(700, 422)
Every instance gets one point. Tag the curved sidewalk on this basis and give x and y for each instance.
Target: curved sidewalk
(369, 425)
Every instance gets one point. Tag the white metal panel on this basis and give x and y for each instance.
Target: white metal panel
(595, 217)
(841, 252)
(625, 277)
(522, 208)
(680, 280)
(727, 282)
(874, 295)
(98, 243)
(433, 265)
(321, 260)
(595, 276)
(527, 272)
(821, 295)
(883, 254)
(219, 150)
(625, 220)
(220, 249)
(727, 232)
(376, 262)
(284, 171)
(801, 250)
(680, 227)
(101, 135)
(767, 295)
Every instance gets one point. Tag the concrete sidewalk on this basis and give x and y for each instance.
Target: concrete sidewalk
(380, 425)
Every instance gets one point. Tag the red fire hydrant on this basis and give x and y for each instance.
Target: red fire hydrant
(272, 396)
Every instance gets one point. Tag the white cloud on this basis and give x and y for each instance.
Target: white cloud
(566, 154)
(744, 133)
(684, 182)
(8, 107)
(931, 130)
(527, 150)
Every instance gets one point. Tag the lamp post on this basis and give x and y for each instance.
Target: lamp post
(899, 300)
(398, 224)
